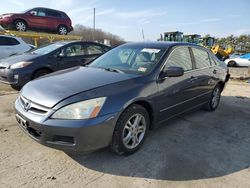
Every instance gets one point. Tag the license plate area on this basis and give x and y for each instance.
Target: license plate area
(22, 121)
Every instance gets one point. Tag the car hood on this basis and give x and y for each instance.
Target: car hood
(6, 62)
(51, 89)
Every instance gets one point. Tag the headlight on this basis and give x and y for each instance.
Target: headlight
(20, 65)
(80, 110)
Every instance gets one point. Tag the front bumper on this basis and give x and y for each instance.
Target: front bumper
(16, 77)
(68, 135)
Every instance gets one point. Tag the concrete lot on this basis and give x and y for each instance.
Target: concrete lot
(198, 149)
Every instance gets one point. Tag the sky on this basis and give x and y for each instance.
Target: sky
(127, 18)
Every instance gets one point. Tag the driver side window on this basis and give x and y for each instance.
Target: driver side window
(74, 50)
(180, 57)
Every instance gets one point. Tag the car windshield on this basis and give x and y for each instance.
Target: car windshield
(46, 49)
(132, 60)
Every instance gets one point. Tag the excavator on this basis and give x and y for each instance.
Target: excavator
(208, 42)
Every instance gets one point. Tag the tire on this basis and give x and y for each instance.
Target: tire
(214, 100)
(20, 25)
(62, 30)
(128, 135)
(232, 64)
(40, 73)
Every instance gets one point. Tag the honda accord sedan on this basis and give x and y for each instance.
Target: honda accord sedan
(120, 96)
(19, 69)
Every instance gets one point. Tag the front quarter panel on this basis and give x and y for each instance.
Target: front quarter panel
(119, 95)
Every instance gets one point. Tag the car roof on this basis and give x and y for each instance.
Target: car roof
(159, 44)
(47, 9)
(76, 41)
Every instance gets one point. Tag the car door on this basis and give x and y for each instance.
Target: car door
(71, 56)
(52, 18)
(37, 18)
(206, 74)
(176, 93)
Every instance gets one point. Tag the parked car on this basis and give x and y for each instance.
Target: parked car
(120, 96)
(39, 19)
(235, 55)
(20, 69)
(10, 45)
(241, 61)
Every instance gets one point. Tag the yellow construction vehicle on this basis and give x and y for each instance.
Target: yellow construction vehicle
(219, 51)
(208, 42)
(36, 36)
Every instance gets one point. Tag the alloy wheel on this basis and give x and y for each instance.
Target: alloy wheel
(215, 97)
(20, 26)
(134, 131)
(62, 31)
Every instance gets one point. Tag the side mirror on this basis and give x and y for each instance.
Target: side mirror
(172, 72)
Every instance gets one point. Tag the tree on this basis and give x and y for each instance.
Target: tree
(87, 34)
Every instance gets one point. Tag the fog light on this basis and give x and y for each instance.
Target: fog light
(16, 76)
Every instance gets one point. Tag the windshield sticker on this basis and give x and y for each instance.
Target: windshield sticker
(142, 69)
(150, 50)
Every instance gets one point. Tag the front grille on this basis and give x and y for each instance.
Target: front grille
(32, 107)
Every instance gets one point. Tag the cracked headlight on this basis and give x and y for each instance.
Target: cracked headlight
(80, 110)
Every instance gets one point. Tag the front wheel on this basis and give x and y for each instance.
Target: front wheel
(131, 130)
(20, 25)
(214, 100)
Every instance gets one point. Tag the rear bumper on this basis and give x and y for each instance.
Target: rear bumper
(71, 28)
(68, 135)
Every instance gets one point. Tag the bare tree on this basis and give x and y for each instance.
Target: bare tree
(87, 34)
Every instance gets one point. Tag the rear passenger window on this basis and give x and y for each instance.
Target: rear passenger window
(94, 49)
(201, 58)
(7, 41)
(180, 57)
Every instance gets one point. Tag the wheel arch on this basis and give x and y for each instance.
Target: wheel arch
(63, 25)
(42, 68)
(148, 106)
(221, 84)
(21, 19)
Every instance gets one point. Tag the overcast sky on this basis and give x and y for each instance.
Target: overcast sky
(126, 18)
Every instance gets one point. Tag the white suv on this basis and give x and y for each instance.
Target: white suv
(10, 45)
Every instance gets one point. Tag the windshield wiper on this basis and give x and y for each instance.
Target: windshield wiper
(113, 70)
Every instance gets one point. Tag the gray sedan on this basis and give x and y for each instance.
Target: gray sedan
(119, 97)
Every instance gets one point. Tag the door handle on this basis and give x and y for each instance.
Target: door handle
(193, 78)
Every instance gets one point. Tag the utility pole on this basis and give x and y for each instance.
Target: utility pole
(143, 37)
(94, 26)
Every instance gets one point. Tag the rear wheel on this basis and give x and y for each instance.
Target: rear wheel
(131, 130)
(232, 64)
(20, 25)
(214, 100)
(40, 73)
(62, 30)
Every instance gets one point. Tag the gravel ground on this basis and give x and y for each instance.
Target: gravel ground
(198, 149)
